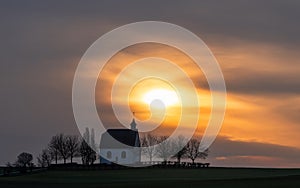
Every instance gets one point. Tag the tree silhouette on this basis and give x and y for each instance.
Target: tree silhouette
(24, 160)
(63, 147)
(54, 148)
(193, 152)
(92, 141)
(72, 144)
(86, 135)
(88, 155)
(45, 158)
(164, 149)
(148, 141)
(178, 144)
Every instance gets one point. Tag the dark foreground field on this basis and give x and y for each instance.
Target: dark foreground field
(212, 177)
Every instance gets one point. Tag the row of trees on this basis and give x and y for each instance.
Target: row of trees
(67, 147)
(167, 148)
(64, 147)
(61, 147)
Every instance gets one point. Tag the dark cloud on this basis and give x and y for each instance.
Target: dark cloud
(260, 82)
(248, 20)
(240, 153)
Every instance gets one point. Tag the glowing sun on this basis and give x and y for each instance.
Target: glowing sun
(167, 97)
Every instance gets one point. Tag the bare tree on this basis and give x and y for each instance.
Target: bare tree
(45, 158)
(86, 135)
(193, 152)
(148, 142)
(24, 160)
(164, 149)
(72, 144)
(92, 141)
(88, 155)
(63, 147)
(54, 148)
(179, 145)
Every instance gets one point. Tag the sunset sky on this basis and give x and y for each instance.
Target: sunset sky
(256, 43)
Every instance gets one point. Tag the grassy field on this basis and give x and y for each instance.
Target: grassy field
(184, 178)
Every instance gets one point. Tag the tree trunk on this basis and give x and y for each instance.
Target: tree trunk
(71, 159)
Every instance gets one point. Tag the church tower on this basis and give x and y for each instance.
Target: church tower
(133, 125)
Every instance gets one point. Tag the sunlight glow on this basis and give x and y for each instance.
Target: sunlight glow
(168, 97)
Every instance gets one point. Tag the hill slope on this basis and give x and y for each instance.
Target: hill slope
(213, 177)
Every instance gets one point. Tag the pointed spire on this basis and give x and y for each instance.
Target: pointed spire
(133, 123)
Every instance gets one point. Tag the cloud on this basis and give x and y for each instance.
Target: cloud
(258, 69)
(227, 152)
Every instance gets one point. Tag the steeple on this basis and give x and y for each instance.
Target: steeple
(133, 124)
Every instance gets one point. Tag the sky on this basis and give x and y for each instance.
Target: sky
(255, 42)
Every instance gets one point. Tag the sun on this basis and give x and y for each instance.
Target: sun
(152, 97)
(167, 97)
